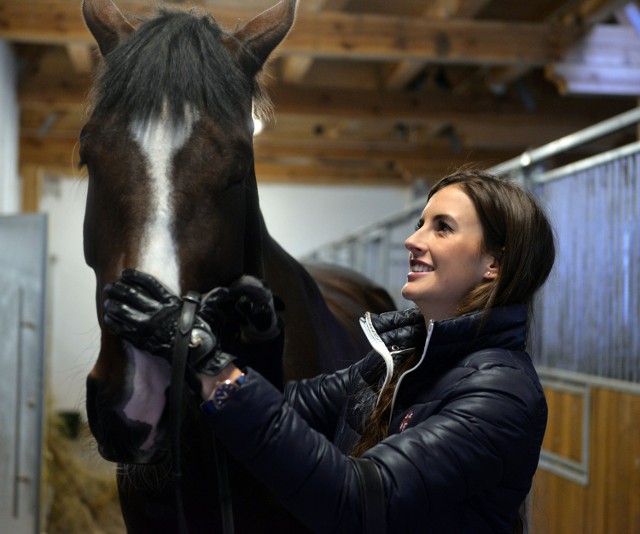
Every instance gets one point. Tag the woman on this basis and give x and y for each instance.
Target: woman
(447, 407)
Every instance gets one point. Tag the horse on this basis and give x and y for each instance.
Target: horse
(172, 191)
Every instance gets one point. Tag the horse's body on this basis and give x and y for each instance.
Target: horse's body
(172, 192)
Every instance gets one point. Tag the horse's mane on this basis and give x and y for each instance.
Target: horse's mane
(178, 55)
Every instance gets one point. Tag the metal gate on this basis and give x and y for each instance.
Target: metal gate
(23, 253)
(588, 313)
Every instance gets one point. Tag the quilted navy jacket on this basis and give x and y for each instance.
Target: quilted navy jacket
(465, 432)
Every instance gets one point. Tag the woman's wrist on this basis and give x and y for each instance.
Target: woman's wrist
(209, 382)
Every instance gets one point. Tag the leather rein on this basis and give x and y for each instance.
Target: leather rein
(176, 394)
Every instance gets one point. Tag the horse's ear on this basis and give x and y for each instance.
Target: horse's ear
(264, 32)
(106, 22)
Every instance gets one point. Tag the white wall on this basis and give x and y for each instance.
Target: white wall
(9, 183)
(74, 334)
(303, 218)
(299, 217)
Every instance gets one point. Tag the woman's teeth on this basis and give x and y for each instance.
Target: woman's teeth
(419, 268)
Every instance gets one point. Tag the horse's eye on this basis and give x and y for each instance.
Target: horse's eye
(82, 162)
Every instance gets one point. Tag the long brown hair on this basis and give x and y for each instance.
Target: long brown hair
(517, 233)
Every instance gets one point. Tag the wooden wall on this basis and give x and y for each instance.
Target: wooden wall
(609, 502)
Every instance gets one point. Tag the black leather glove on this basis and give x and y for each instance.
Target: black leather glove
(253, 330)
(253, 308)
(141, 310)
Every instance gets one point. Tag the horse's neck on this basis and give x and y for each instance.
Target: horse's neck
(314, 340)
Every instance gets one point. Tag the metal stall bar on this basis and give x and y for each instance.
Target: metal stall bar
(581, 137)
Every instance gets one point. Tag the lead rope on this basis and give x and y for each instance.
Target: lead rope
(178, 372)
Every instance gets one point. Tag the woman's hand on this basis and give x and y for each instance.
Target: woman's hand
(253, 308)
(141, 310)
(257, 334)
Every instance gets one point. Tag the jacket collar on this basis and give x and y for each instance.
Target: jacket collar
(505, 327)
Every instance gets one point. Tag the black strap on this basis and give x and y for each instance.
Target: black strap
(374, 505)
(178, 369)
(224, 493)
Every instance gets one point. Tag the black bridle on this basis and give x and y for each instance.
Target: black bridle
(178, 375)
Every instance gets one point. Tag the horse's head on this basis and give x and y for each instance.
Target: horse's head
(172, 191)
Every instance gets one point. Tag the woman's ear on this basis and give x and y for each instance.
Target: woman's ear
(493, 269)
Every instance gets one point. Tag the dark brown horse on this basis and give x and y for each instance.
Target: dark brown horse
(172, 191)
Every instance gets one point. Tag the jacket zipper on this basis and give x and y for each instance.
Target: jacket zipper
(424, 353)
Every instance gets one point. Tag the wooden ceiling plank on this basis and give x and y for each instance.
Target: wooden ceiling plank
(69, 94)
(404, 72)
(339, 35)
(411, 107)
(453, 41)
(322, 151)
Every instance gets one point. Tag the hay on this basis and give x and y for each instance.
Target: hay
(81, 489)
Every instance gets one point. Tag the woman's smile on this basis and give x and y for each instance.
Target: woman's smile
(418, 268)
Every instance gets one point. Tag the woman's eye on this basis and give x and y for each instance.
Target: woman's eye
(419, 225)
(444, 227)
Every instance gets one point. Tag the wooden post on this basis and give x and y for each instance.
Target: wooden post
(31, 176)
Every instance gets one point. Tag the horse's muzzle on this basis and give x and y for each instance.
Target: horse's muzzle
(119, 438)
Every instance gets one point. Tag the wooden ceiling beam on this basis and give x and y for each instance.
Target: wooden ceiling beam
(410, 154)
(70, 93)
(416, 107)
(301, 162)
(405, 71)
(335, 35)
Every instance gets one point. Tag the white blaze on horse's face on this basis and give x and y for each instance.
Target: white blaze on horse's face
(159, 139)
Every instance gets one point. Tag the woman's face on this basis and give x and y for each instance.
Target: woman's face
(445, 255)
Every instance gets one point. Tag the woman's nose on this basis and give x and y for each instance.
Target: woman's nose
(412, 243)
